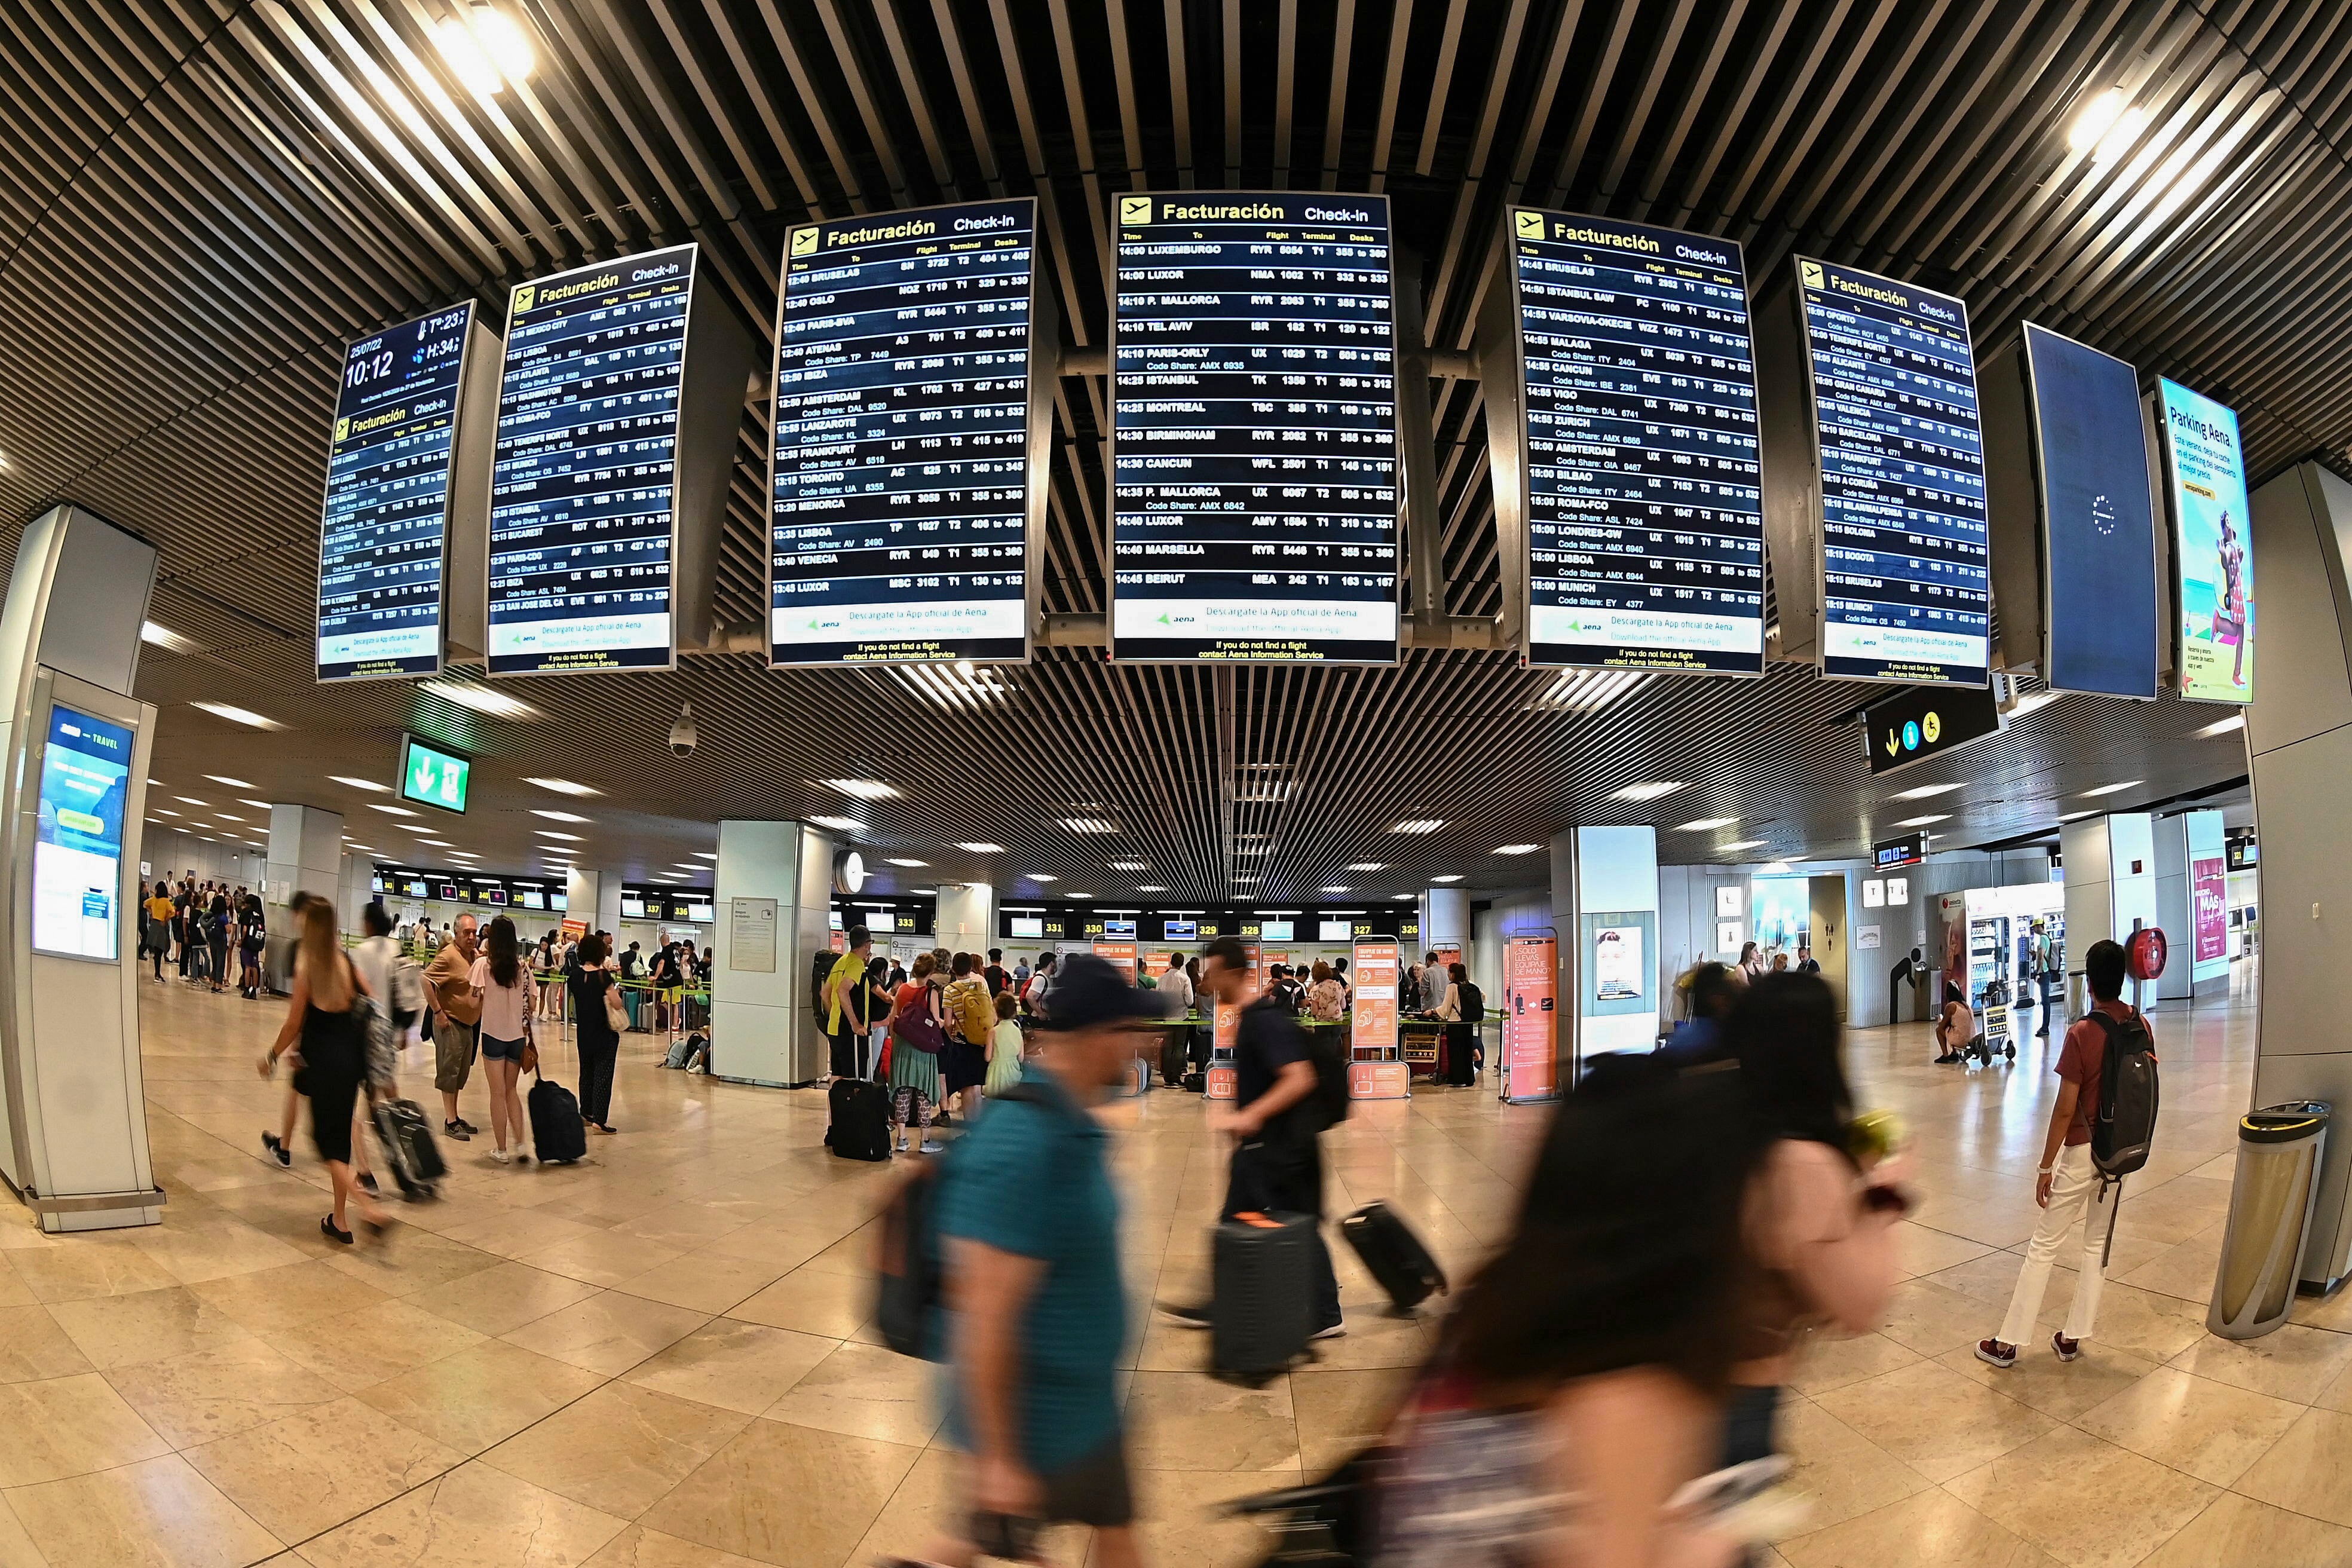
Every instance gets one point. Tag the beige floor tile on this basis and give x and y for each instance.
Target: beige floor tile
(1376, 1336)
(159, 1513)
(1930, 1319)
(146, 1325)
(1829, 1363)
(32, 1345)
(517, 1233)
(705, 1281)
(2185, 1270)
(1921, 1249)
(1932, 1419)
(1931, 1529)
(473, 1517)
(1341, 1412)
(2082, 1499)
(2336, 1395)
(83, 1266)
(2239, 1533)
(502, 1298)
(1181, 1517)
(13, 1291)
(415, 1258)
(1990, 1276)
(832, 1306)
(1842, 1474)
(1187, 1421)
(359, 1350)
(2308, 1470)
(865, 1391)
(311, 1472)
(2289, 1363)
(621, 1448)
(219, 1391)
(783, 1494)
(637, 1547)
(70, 1426)
(194, 1253)
(2211, 1430)
(735, 1365)
(600, 1258)
(608, 1334)
(274, 1301)
(481, 1396)
(2054, 1387)
(2145, 1322)
(16, 1548)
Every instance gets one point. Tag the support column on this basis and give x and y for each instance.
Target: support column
(774, 891)
(1445, 923)
(594, 897)
(1604, 900)
(967, 918)
(2192, 904)
(2110, 884)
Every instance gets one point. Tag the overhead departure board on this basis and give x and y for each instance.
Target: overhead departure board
(1255, 481)
(1644, 515)
(902, 487)
(1906, 590)
(385, 536)
(582, 518)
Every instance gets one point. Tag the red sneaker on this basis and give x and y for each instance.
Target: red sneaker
(2067, 1348)
(1992, 1352)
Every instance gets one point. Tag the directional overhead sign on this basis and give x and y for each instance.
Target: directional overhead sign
(429, 776)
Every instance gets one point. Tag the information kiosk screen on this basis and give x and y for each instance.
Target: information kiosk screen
(77, 851)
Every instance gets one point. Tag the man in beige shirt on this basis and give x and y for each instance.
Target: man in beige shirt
(456, 1008)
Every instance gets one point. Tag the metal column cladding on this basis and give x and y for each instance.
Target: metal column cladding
(902, 489)
(1645, 514)
(1254, 484)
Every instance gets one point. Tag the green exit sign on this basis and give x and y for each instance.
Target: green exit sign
(429, 776)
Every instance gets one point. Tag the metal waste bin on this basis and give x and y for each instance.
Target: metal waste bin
(2270, 1211)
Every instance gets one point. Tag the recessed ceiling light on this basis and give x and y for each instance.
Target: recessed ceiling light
(224, 816)
(563, 787)
(236, 715)
(390, 810)
(2107, 127)
(164, 637)
(1041, 876)
(1450, 877)
(2076, 816)
(1130, 866)
(2112, 789)
(191, 800)
(437, 843)
(1925, 821)
(1518, 848)
(1088, 825)
(1150, 887)
(1337, 888)
(1706, 824)
(1369, 866)
(1775, 867)
(1924, 791)
(705, 855)
(167, 811)
(1406, 898)
(979, 847)
(2223, 726)
(903, 860)
(1244, 876)
(369, 784)
(481, 699)
(567, 838)
(1646, 791)
(233, 784)
(1417, 825)
(1741, 844)
(863, 789)
(839, 824)
(258, 805)
(558, 815)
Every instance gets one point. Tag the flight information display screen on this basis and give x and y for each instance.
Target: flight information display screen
(899, 499)
(385, 528)
(582, 520)
(1254, 482)
(1645, 518)
(1906, 589)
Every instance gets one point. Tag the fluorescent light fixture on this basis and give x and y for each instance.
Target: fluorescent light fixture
(1417, 825)
(2107, 127)
(167, 811)
(839, 824)
(390, 810)
(1115, 865)
(2077, 816)
(1150, 887)
(503, 39)
(1741, 844)
(1775, 868)
(257, 805)
(1244, 876)
(369, 784)
(233, 784)
(437, 843)
(558, 815)
(979, 847)
(863, 789)
(1338, 889)
(1041, 876)
(1369, 866)
(236, 715)
(1932, 817)
(1406, 898)
(903, 860)
(1706, 824)
(706, 854)
(2223, 726)
(1088, 825)
(481, 699)
(467, 60)
(2113, 788)
(192, 800)
(567, 838)
(563, 787)
(164, 637)
(1517, 849)
(1077, 895)
(224, 816)
(1450, 877)
(1924, 792)
(1646, 791)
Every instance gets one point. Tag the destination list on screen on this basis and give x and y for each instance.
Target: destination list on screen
(1253, 511)
(384, 528)
(1645, 526)
(585, 468)
(901, 444)
(1906, 592)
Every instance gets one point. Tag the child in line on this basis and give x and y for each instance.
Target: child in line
(1005, 1047)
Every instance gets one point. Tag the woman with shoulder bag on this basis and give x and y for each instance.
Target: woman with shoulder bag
(598, 1008)
(329, 1015)
(916, 1033)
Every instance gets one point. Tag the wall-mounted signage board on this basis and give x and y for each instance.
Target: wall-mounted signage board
(2213, 546)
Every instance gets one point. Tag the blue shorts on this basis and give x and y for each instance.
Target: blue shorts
(501, 1051)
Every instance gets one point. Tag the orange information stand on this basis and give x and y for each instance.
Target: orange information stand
(1376, 1066)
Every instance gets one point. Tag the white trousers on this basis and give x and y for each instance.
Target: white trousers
(2075, 1203)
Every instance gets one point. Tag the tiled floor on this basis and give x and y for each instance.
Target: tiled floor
(659, 1359)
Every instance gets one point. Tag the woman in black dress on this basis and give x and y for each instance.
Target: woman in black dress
(217, 925)
(600, 1044)
(332, 1059)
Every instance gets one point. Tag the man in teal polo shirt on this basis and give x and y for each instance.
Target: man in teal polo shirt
(1030, 1224)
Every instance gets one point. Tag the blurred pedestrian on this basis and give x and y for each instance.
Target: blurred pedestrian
(331, 1060)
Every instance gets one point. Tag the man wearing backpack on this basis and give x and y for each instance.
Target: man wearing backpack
(2072, 1183)
(1277, 1118)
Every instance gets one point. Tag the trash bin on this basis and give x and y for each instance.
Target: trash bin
(2270, 1211)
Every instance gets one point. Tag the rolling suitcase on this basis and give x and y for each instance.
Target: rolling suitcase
(1394, 1254)
(1263, 1270)
(861, 1120)
(1196, 1083)
(1174, 1061)
(407, 1136)
(557, 1134)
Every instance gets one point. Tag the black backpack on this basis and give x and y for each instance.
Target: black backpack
(1471, 1003)
(910, 1280)
(1328, 1106)
(2126, 1121)
(821, 970)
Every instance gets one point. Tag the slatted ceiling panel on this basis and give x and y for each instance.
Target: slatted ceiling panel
(201, 200)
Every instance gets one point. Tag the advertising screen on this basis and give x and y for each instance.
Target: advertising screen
(430, 776)
(384, 530)
(2212, 547)
(1254, 482)
(2098, 526)
(898, 500)
(585, 474)
(77, 851)
(1906, 592)
(1646, 523)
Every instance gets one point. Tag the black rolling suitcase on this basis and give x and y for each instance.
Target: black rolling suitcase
(558, 1136)
(1263, 1268)
(861, 1120)
(406, 1137)
(1196, 1082)
(1394, 1254)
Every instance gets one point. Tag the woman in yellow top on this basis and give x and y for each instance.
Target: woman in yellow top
(158, 925)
